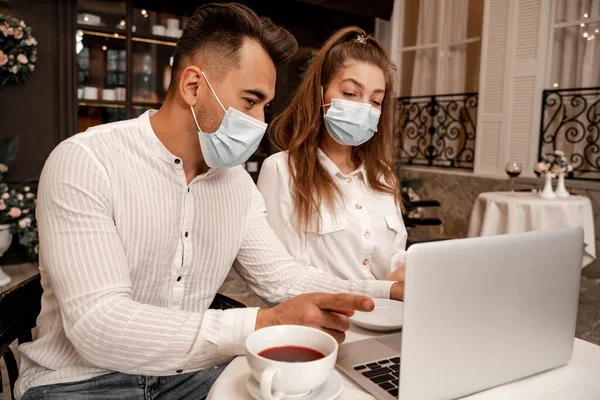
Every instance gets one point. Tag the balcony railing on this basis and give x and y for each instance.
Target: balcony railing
(571, 123)
(437, 130)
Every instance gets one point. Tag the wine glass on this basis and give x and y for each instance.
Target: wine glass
(513, 170)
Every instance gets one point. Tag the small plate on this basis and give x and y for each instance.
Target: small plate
(386, 316)
(330, 390)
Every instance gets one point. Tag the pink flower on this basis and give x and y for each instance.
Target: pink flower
(26, 189)
(5, 196)
(570, 168)
(31, 67)
(10, 31)
(19, 33)
(2, 205)
(541, 167)
(29, 195)
(22, 58)
(23, 24)
(3, 58)
(25, 223)
(15, 212)
(4, 30)
(25, 211)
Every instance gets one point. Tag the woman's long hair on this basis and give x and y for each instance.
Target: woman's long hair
(300, 127)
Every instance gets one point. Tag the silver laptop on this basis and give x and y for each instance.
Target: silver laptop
(478, 313)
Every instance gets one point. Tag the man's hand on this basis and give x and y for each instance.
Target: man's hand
(398, 276)
(327, 312)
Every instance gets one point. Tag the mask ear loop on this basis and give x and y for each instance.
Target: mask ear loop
(323, 99)
(213, 91)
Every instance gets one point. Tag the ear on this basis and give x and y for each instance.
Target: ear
(191, 79)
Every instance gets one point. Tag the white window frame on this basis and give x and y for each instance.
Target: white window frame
(558, 25)
(442, 45)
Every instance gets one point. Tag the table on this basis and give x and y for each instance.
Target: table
(579, 380)
(497, 213)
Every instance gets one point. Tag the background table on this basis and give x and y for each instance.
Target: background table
(497, 213)
(579, 380)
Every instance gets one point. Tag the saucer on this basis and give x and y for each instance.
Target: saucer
(386, 316)
(330, 390)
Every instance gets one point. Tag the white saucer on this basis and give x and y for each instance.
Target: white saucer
(386, 316)
(330, 390)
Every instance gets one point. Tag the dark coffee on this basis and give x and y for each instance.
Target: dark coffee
(291, 354)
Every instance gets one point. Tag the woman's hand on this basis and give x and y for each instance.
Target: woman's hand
(398, 276)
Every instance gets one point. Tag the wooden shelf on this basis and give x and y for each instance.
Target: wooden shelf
(150, 104)
(102, 31)
(101, 103)
(154, 39)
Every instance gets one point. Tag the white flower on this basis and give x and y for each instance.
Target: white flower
(570, 168)
(20, 197)
(26, 211)
(26, 189)
(3, 168)
(23, 24)
(14, 69)
(542, 167)
(559, 153)
(5, 196)
(29, 195)
(2, 205)
(22, 58)
(25, 223)
(36, 249)
(10, 31)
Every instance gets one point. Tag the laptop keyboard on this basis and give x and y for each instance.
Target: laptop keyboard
(385, 373)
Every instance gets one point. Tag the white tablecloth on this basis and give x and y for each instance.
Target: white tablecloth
(498, 213)
(579, 380)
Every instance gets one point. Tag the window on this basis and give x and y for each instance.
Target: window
(572, 84)
(440, 46)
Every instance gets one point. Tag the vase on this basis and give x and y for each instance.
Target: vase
(561, 191)
(5, 241)
(547, 192)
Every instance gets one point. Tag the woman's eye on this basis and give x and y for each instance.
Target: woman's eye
(349, 94)
(377, 103)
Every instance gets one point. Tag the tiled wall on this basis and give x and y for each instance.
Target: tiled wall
(457, 194)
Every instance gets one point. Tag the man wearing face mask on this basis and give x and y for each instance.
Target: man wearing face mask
(140, 222)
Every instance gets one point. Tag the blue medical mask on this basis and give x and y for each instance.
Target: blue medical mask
(236, 139)
(351, 123)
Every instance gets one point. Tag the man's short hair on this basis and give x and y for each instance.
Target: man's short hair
(219, 30)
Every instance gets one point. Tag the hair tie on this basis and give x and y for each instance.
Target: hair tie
(360, 38)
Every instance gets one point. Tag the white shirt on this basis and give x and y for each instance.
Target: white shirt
(365, 239)
(132, 256)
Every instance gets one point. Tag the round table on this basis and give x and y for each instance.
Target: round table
(497, 213)
(578, 380)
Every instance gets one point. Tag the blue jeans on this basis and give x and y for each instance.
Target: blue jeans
(195, 385)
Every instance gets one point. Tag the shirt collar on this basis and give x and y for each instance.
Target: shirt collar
(158, 148)
(335, 171)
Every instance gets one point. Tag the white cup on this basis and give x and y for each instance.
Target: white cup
(109, 95)
(278, 379)
(158, 30)
(172, 23)
(79, 93)
(90, 93)
(121, 93)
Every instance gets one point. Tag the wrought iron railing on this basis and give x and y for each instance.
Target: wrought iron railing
(571, 123)
(437, 130)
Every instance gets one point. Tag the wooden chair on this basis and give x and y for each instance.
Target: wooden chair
(19, 308)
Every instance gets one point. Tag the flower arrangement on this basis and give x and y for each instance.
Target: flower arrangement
(17, 209)
(553, 164)
(18, 51)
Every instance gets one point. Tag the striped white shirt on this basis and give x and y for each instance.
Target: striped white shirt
(131, 256)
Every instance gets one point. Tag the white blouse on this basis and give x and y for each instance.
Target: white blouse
(364, 239)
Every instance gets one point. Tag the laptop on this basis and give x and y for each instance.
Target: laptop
(478, 313)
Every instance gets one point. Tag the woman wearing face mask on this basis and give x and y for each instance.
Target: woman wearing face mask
(331, 196)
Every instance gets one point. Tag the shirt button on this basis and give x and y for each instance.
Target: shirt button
(179, 371)
(359, 207)
(349, 180)
(367, 235)
(177, 161)
(365, 261)
(178, 278)
(186, 234)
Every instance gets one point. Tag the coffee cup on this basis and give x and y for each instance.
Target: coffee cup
(290, 360)
(172, 23)
(109, 95)
(90, 93)
(158, 30)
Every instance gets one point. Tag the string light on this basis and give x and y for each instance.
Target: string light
(597, 31)
(586, 15)
(555, 84)
(122, 23)
(582, 25)
(104, 48)
(86, 18)
(145, 13)
(585, 34)
(116, 35)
